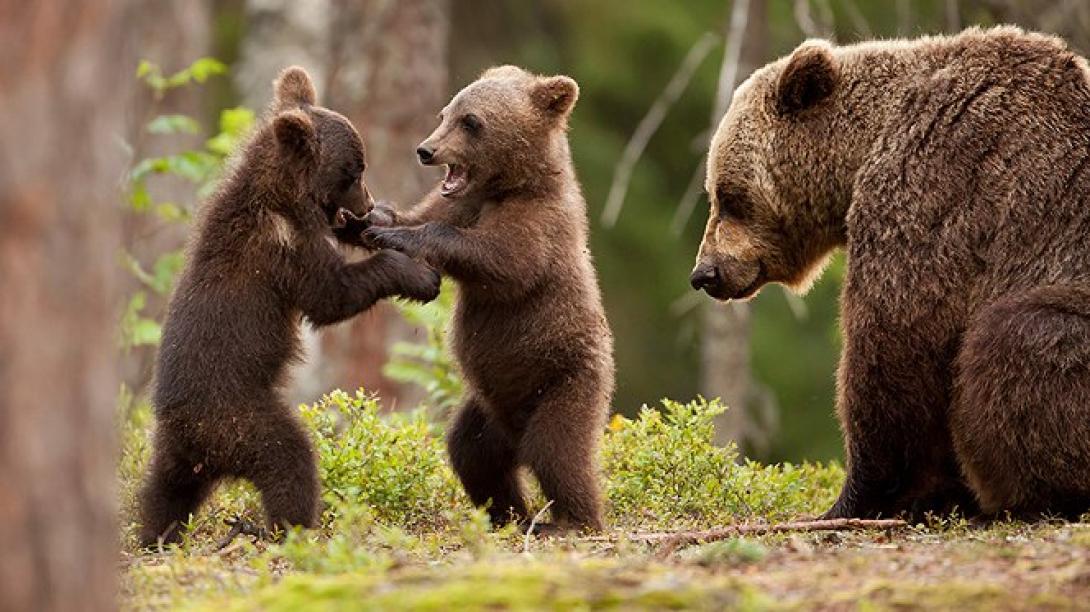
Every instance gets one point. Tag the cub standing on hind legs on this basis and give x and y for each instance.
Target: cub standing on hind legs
(509, 224)
(261, 260)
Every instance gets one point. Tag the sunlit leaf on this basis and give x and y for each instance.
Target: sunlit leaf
(173, 124)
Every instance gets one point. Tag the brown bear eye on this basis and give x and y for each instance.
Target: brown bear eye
(732, 203)
(471, 124)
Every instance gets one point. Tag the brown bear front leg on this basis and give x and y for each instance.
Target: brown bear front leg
(893, 397)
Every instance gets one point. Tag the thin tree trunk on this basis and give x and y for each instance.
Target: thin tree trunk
(725, 354)
(65, 85)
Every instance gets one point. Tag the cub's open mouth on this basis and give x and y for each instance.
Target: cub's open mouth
(456, 180)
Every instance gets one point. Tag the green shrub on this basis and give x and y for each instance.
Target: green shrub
(664, 470)
(663, 467)
(395, 464)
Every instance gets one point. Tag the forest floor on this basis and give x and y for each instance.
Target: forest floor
(1007, 566)
(399, 534)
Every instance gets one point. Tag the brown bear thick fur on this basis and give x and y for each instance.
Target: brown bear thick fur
(509, 224)
(956, 173)
(259, 262)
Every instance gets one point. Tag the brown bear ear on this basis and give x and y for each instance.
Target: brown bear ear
(296, 136)
(556, 95)
(809, 77)
(294, 89)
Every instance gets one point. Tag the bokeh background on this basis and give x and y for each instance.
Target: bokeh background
(391, 64)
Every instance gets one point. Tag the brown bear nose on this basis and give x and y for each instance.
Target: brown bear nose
(425, 154)
(704, 276)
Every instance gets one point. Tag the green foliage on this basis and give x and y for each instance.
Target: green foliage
(199, 167)
(199, 72)
(428, 364)
(665, 466)
(395, 465)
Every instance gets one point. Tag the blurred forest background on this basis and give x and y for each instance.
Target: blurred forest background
(656, 73)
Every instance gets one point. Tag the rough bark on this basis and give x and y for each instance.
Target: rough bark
(171, 35)
(388, 74)
(65, 84)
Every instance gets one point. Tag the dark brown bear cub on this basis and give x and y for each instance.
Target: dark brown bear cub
(260, 261)
(509, 225)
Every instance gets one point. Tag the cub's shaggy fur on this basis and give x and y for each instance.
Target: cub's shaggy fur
(530, 334)
(956, 172)
(260, 260)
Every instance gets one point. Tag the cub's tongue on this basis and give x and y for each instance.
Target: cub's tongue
(455, 180)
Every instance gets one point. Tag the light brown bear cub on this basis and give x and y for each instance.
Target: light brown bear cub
(956, 172)
(509, 224)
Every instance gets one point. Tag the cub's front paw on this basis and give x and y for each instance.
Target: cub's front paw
(422, 283)
(412, 279)
(348, 228)
(396, 238)
(382, 215)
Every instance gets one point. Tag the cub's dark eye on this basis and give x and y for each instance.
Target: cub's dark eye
(733, 204)
(471, 123)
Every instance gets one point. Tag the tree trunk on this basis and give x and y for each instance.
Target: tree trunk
(725, 363)
(187, 38)
(65, 85)
(388, 74)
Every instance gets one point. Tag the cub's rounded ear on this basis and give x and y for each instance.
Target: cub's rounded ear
(295, 135)
(810, 76)
(294, 89)
(556, 95)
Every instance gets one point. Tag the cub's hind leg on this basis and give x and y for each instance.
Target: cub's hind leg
(173, 490)
(1021, 415)
(485, 460)
(276, 455)
(560, 444)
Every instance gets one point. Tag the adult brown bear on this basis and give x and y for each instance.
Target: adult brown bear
(956, 173)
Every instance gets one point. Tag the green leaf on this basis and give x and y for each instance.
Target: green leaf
(139, 198)
(145, 68)
(235, 125)
(146, 332)
(171, 212)
(164, 270)
(173, 124)
(206, 67)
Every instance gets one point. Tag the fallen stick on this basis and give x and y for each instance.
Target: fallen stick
(672, 540)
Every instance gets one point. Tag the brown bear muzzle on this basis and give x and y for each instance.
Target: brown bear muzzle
(721, 283)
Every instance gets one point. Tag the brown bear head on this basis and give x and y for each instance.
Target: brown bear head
(319, 146)
(502, 132)
(772, 180)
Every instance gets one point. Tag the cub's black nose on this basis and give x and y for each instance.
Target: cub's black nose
(425, 154)
(704, 276)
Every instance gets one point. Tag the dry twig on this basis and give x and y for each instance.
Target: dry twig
(672, 540)
(533, 523)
